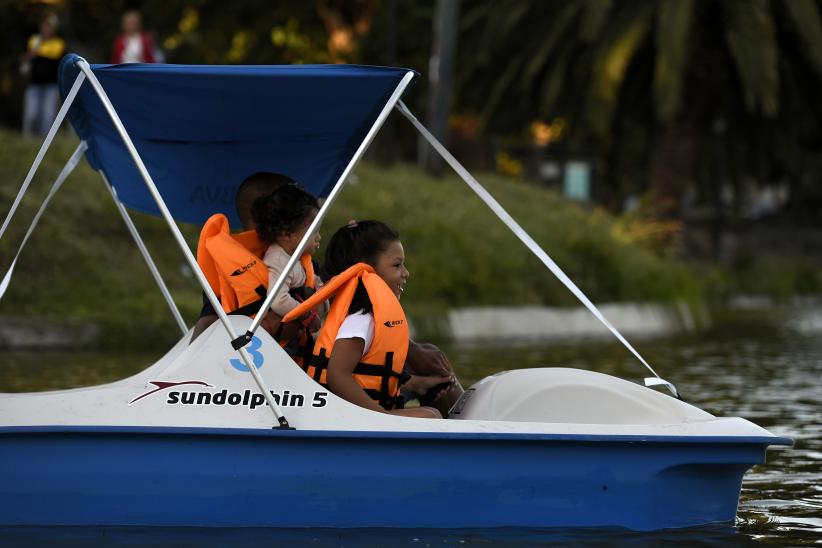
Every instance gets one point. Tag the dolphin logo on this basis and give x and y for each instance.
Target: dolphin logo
(162, 385)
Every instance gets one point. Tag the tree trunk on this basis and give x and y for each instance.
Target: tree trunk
(673, 170)
(441, 80)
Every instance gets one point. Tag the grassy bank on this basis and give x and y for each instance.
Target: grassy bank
(81, 263)
(460, 254)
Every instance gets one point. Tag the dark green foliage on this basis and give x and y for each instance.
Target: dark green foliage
(460, 254)
(81, 263)
(188, 31)
(680, 86)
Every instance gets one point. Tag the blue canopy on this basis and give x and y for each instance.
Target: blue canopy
(201, 130)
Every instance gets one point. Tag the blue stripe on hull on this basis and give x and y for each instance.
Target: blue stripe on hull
(222, 478)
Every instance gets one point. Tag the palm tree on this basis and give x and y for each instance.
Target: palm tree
(671, 92)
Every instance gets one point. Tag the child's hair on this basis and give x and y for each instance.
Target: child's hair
(282, 212)
(357, 242)
(254, 186)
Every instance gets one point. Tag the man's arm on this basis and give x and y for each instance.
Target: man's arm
(201, 325)
(427, 359)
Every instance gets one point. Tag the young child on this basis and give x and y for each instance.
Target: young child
(361, 349)
(281, 219)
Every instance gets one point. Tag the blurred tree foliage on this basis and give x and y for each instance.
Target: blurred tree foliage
(190, 31)
(733, 85)
(670, 94)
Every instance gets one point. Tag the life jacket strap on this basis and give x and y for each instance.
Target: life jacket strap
(385, 372)
(307, 348)
(318, 363)
(388, 371)
(315, 365)
(251, 308)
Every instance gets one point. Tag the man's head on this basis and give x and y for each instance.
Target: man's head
(259, 184)
(131, 22)
(48, 25)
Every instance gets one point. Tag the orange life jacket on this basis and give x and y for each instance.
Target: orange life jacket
(380, 370)
(233, 266)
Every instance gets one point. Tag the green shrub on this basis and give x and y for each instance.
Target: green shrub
(775, 275)
(460, 254)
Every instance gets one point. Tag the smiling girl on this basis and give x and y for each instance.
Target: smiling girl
(361, 349)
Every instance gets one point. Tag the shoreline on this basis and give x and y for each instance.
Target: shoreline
(635, 320)
(560, 324)
(459, 325)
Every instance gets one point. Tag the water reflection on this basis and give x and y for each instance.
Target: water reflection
(158, 537)
(758, 367)
(761, 367)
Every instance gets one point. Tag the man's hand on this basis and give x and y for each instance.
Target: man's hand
(290, 330)
(429, 367)
(427, 359)
(420, 385)
(271, 322)
(315, 324)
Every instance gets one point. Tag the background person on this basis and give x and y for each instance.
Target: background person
(40, 63)
(133, 45)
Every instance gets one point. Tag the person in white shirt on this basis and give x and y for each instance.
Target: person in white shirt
(133, 45)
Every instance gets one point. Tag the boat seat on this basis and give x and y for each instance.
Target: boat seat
(563, 395)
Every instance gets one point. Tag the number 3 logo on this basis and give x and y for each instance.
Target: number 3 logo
(256, 357)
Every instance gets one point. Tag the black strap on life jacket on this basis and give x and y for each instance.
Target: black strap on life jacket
(385, 372)
(320, 364)
(308, 348)
(304, 350)
(251, 308)
(261, 290)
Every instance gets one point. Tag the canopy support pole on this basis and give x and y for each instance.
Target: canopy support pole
(61, 114)
(135, 234)
(529, 242)
(83, 65)
(58, 182)
(332, 196)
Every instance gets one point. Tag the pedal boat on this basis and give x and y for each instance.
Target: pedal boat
(229, 432)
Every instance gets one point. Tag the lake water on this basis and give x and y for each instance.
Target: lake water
(763, 366)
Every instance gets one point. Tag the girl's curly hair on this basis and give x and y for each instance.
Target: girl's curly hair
(282, 212)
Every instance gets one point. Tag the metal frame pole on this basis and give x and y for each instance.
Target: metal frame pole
(529, 242)
(83, 65)
(58, 182)
(61, 114)
(332, 196)
(135, 234)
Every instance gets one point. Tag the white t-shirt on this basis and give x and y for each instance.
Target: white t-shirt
(359, 325)
(133, 50)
